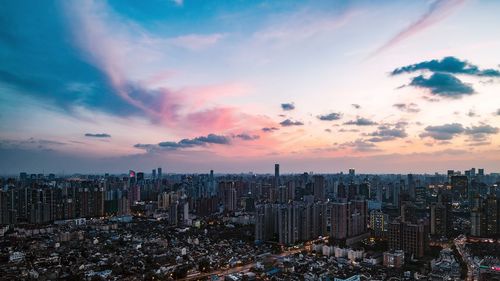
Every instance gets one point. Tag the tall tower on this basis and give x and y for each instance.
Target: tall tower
(276, 175)
(159, 173)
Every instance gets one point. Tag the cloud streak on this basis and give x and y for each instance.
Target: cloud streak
(443, 132)
(407, 107)
(361, 121)
(269, 129)
(359, 145)
(330, 117)
(289, 122)
(99, 135)
(478, 133)
(185, 143)
(437, 11)
(246, 137)
(388, 133)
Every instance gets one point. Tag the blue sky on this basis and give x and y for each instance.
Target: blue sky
(380, 86)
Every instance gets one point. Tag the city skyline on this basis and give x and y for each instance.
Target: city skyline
(156, 173)
(108, 86)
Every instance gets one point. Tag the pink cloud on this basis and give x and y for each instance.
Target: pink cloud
(198, 97)
(225, 119)
(124, 52)
(218, 119)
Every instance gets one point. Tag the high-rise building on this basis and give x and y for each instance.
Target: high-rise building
(8, 210)
(352, 191)
(411, 186)
(211, 184)
(409, 237)
(153, 174)
(364, 190)
(459, 187)
(159, 173)
(473, 172)
(358, 217)
(378, 223)
(294, 221)
(288, 223)
(439, 219)
(134, 194)
(174, 213)
(282, 194)
(408, 212)
(165, 199)
(395, 192)
(420, 194)
(450, 173)
(140, 177)
(485, 215)
(290, 190)
(352, 172)
(319, 187)
(341, 190)
(491, 212)
(338, 219)
(228, 195)
(475, 223)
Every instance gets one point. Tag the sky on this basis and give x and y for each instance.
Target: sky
(236, 86)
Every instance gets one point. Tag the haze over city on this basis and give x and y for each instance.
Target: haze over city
(236, 86)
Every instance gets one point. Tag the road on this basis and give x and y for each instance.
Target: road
(242, 268)
(460, 244)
